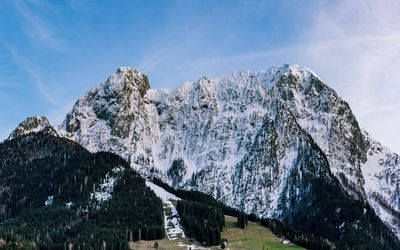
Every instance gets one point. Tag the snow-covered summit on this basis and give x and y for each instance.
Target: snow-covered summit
(33, 124)
(114, 102)
(273, 74)
(126, 78)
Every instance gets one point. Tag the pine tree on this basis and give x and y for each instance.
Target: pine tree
(242, 220)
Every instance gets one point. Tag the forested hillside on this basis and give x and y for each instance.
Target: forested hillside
(55, 193)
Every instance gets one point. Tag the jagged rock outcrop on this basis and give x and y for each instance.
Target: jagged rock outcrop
(112, 109)
(33, 124)
(253, 141)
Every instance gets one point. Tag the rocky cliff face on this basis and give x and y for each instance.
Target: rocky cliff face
(381, 174)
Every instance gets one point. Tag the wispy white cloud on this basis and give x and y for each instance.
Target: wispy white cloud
(154, 60)
(380, 109)
(245, 57)
(21, 62)
(35, 27)
(356, 46)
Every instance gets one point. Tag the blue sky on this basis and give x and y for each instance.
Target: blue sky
(52, 52)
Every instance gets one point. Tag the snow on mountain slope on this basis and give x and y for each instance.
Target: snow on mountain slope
(381, 173)
(172, 224)
(113, 116)
(328, 119)
(105, 190)
(253, 141)
(161, 192)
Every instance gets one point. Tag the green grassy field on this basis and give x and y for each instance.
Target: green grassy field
(254, 236)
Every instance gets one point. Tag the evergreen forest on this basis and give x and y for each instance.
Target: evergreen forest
(47, 196)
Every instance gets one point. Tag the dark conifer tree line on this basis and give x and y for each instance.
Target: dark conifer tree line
(201, 221)
(307, 241)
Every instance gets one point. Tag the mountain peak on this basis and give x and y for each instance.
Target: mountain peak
(33, 124)
(127, 70)
(274, 74)
(297, 70)
(127, 77)
(114, 101)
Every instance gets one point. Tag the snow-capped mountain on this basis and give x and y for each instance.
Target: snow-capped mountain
(33, 124)
(245, 138)
(266, 143)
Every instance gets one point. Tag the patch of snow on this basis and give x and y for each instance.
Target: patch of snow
(172, 225)
(106, 189)
(49, 200)
(173, 230)
(69, 204)
(161, 192)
